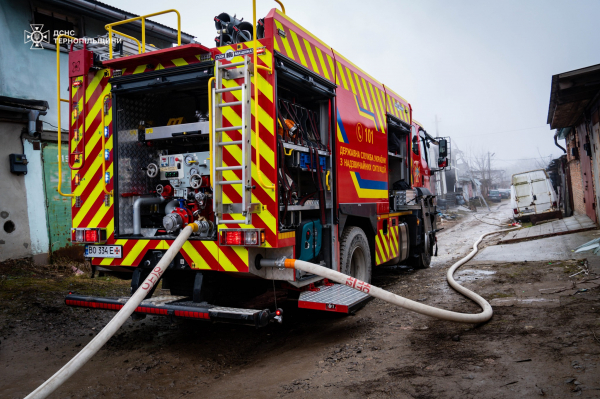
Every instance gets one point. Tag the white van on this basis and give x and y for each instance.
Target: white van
(532, 197)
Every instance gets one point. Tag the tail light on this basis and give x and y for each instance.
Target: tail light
(554, 205)
(245, 237)
(93, 235)
(515, 211)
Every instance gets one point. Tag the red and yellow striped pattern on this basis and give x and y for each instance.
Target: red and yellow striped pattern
(232, 155)
(182, 61)
(207, 255)
(398, 106)
(93, 211)
(387, 246)
(368, 94)
(296, 43)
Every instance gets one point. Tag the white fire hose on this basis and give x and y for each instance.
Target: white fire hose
(113, 326)
(397, 300)
(134, 301)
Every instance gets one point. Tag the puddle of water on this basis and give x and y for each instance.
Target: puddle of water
(526, 302)
(472, 274)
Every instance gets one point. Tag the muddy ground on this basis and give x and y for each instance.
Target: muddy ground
(544, 338)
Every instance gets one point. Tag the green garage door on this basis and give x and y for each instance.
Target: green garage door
(59, 207)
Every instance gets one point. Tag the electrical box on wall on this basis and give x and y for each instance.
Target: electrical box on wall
(18, 164)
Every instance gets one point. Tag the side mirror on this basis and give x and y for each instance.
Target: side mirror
(442, 162)
(415, 146)
(443, 148)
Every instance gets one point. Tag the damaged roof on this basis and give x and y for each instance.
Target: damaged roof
(570, 95)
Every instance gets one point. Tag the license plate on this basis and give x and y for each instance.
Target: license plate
(103, 251)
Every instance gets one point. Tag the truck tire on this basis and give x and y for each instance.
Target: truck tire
(355, 255)
(420, 261)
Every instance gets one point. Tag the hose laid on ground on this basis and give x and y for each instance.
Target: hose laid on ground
(113, 326)
(397, 300)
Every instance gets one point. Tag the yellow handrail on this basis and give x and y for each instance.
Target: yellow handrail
(58, 101)
(143, 18)
(210, 132)
(104, 145)
(111, 31)
(282, 7)
(256, 107)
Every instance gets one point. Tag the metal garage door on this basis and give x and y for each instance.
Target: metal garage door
(59, 207)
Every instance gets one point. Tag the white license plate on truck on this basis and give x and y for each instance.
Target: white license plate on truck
(103, 251)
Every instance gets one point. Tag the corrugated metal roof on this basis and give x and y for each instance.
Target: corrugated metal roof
(95, 7)
(132, 15)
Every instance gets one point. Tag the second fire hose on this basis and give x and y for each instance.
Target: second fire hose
(398, 300)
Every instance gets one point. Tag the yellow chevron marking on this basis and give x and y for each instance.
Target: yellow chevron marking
(95, 111)
(86, 179)
(213, 249)
(276, 45)
(341, 73)
(85, 207)
(242, 252)
(377, 258)
(134, 252)
(391, 241)
(364, 84)
(393, 107)
(330, 62)
(381, 103)
(360, 92)
(384, 239)
(199, 261)
(139, 69)
(93, 85)
(322, 62)
(179, 62)
(377, 111)
(351, 81)
(311, 57)
(298, 48)
(285, 42)
(226, 263)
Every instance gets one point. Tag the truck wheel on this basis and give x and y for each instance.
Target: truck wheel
(355, 254)
(420, 260)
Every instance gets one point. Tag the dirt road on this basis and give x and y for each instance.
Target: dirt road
(539, 343)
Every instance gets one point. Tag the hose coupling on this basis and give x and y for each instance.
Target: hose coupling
(278, 263)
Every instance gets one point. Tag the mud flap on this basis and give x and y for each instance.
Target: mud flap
(333, 298)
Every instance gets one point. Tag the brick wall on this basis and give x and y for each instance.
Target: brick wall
(576, 181)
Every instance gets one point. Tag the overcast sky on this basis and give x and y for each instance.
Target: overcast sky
(483, 67)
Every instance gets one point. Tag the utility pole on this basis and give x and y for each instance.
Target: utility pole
(489, 167)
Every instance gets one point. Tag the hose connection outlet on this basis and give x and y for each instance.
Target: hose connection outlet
(279, 263)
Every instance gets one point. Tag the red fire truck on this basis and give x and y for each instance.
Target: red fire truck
(277, 146)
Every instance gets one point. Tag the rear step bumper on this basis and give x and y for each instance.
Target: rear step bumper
(178, 306)
(333, 298)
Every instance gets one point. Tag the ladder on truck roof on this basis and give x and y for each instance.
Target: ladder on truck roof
(230, 73)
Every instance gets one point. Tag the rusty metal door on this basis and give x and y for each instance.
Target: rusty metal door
(58, 207)
(587, 180)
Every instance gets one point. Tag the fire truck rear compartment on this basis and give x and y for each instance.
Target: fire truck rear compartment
(159, 119)
(304, 113)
